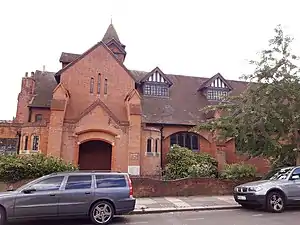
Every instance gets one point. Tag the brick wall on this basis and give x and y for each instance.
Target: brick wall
(147, 187)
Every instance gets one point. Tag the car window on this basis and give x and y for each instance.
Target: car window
(48, 184)
(296, 171)
(278, 174)
(79, 182)
(110, 181)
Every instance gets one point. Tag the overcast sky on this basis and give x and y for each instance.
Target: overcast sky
(187, 37)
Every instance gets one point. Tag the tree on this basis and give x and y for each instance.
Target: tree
(265, 118)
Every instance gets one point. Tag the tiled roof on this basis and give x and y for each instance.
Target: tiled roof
(45, 83)
(182, 107)
(68, 57)
(185, 102)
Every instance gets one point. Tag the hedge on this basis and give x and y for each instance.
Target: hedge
(15, 168)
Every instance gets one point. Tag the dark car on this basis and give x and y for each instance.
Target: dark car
(279, 189)
(97, 195)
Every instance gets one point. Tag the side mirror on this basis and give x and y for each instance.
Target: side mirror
(29, 190)
(295, 177)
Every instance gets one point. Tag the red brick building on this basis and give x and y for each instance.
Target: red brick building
(96, 113)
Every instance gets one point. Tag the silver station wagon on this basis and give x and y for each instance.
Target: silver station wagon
(279, 189)
(97, 195)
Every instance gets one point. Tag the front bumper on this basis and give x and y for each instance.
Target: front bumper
(249, 198)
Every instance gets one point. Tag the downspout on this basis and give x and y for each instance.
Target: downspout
(161, 146)
(19, 142)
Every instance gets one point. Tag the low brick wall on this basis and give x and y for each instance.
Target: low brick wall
(147, 187)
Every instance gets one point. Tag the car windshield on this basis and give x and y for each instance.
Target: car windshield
(278, 174)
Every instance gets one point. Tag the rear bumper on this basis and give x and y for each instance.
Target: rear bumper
(249, 198)
(125, 206)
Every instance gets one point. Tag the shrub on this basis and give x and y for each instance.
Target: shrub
(19, 167)
(238, 171)
(182, 163)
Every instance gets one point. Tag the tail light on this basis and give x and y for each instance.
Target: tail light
(130, 186)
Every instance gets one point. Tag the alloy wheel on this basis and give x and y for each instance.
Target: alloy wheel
(102, 213)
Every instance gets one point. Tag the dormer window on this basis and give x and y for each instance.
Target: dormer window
(216, 88)
(156, 84)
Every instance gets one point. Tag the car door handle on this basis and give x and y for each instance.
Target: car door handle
(87, 193)
(52, 194)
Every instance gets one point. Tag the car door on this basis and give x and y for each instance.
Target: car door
(77, 195)
(294, 186)
(41, 201)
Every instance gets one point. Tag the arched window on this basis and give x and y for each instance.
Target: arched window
(156, 144)
(149, 145)
(185, 139)
(92, 85)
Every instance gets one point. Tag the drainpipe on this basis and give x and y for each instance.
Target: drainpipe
(19, 142)
(161, 145)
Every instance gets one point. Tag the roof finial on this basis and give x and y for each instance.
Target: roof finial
(110, 19)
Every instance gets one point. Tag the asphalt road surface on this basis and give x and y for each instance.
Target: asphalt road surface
(225, 217)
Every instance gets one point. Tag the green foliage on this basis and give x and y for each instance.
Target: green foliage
(19, 167)
(238, 171)
(182, 163)
(266, 116)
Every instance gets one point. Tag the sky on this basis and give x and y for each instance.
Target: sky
(187, 37)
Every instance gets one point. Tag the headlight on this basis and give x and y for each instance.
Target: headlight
(255, 189)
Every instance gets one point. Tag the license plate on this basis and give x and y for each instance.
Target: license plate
(239, 197)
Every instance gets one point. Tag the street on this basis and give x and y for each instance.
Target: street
(224, 217)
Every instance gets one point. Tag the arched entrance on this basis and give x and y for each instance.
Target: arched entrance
(95, 155)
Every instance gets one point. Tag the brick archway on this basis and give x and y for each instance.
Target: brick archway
(96, 146)
(95, 155)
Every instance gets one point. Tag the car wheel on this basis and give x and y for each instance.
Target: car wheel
(275, 202)
(2, 216)
(102, 213)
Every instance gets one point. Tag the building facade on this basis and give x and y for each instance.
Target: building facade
(96, 113)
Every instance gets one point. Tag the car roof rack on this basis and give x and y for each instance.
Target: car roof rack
(88, 171)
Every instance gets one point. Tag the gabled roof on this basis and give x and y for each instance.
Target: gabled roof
(68, 57)
(117, 44)
(212, 79)
(45, 83)
(156, 69)
(87, 52)
(110, 34)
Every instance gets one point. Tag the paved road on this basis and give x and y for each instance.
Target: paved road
(226, 217)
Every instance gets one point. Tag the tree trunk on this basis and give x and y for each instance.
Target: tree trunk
(298, 158)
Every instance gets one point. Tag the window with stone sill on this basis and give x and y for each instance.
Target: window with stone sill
(149, 145)
(25, 142)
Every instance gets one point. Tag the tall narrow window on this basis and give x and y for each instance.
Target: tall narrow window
(92, 85)
(25, 142)
(35, 143)
(105, 86)
(99, 83)
(156, 145)
(149, 145)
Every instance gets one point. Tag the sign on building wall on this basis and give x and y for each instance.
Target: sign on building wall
(8, 145)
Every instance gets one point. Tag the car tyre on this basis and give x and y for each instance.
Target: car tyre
(102, 213)
(275, 202)
(2, 216)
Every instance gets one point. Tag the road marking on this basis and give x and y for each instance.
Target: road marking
(177, 202)
(257, 215)
(142, 222)
(191, 219)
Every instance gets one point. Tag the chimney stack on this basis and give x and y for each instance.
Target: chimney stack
(32, 73)
(44, 68)
(26, 74)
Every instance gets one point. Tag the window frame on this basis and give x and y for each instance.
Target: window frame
(37, 116)
(156, 89)
(92, 83)
(184, 135)
(149, 143)
(105, 86)
(110, 176)
(35, 182)
(32, 143)
(99, 84)
(78, 175)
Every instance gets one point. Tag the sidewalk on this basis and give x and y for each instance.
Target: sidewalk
(193, 203)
